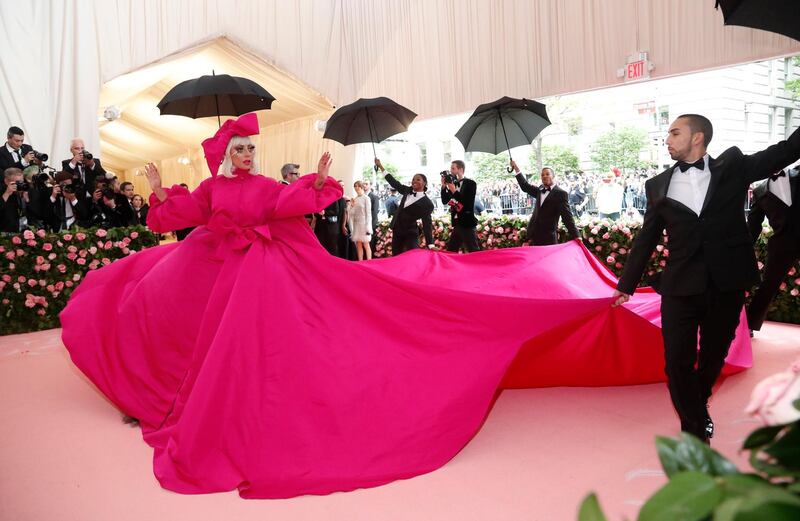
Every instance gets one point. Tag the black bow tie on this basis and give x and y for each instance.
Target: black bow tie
(545, 189)
(700, 164)
(774, 177)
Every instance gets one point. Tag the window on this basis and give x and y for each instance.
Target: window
(446, 149)
(788, 124)
(423, 154)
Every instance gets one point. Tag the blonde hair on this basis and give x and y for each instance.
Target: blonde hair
(226, 168)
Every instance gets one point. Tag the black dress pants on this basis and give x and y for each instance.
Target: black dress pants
(461, 235)
(691, 373)
(779, 263)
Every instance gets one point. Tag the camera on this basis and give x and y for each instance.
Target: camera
(40, 156)
(68, 188)
(22, 186)
(87, 156)
(108, 193)
(448, 177)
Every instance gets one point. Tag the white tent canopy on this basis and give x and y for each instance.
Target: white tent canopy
(434, 56)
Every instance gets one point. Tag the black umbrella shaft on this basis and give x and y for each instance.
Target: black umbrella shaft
(503, 126)
(371, 135)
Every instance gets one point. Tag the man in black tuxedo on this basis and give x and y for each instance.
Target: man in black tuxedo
(328, 226)
(700, 202)
(15, 153)
(66, 209)
(414, 206)
(550, 204)
(775, 199)
(84, 167)
(460, 196)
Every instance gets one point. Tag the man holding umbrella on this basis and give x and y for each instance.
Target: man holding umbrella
(459, 193)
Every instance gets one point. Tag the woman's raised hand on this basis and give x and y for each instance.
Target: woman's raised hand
(322, 169)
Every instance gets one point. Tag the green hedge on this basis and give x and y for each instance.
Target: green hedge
(609, 241)
(39, 270)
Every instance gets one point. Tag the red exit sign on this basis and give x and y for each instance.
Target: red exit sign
(637, 68)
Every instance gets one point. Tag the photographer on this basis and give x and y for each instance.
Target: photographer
(459, 193)
(66, 208)
(13, 202)
(83, 166)
(105, 212)
(38, 185)
(15, 154)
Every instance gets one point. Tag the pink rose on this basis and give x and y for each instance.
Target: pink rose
(126, 251)
(69, 284)
(50, 288)
(623, 251)
(31, 282)
(783, 286)
(595, 231)
(40, 311)
(16, 286)
(27, 234)
(61, 268)
(72, 249)
(40, 233)
(6, 278)
(67, 236)
(82, 261)
(82, 253)
(47, 246)
(797, 282)
(16, 240)
(92, 250)
(59, 286)
(76, 277)
(20, 253)
(771, 400)
(11, 266)
(610, 259)
(29, 303)
(10, 255)
(136, 234)
(51, 256)
(72, 256)
(794, 292)
(598, 248)
(80, 236)
(101, 233)
(792, 272)
(31, 242)
(2, 285)
(21, 278)
(5, 301)
(2, 249)
(39, 260)
(659, 248)
(108, 245)
(618, 265)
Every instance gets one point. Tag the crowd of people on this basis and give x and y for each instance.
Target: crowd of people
(79, 194)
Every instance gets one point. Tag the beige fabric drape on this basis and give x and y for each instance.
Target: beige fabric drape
(434, 56)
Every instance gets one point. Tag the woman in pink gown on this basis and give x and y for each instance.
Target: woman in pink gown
(256, 361)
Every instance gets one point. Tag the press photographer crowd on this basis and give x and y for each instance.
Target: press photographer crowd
(79, 194)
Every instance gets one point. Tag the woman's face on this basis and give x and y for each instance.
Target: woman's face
(359, 190)
(242, 155)
(137, 201)
(417, 183)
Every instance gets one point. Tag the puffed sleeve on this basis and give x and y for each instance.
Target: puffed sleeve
(301, 198)
(181, 209)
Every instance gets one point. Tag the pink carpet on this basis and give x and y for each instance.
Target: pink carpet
(65, 454)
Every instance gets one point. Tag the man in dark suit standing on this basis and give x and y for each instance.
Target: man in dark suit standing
(459, 194)
(328, 226)
(700, 201)
(775, 199)
(414, 206)
(550, 204)
(84, 168)
(15, 154)
(375, 207)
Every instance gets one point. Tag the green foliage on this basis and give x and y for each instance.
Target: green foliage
(560, 158)
(619, 148)
(368, 172)
(40, 270)
(490, 167)
(793, 86)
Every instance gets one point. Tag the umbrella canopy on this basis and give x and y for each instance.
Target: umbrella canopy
(777, 16)
(215, 96)
(368, 120)
(502, 125)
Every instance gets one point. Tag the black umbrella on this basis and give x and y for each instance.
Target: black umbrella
(777, 16)
(502, 125)
(215, 96)
(368, 120)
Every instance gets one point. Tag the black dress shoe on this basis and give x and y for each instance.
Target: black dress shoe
(709, 429)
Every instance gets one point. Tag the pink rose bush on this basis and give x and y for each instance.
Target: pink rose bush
(39, 270)
(772, 399)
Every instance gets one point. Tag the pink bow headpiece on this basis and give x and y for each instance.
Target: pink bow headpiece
(214, 147)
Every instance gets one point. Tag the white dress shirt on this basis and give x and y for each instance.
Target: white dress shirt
(781, 188)
(412, 198)
(16, 154)
(690, 187)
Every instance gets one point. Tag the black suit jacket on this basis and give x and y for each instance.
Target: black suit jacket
(90, 175)
(466, 196)
(58, 212)
(404, 221)
(715, 246)
(10, 211)
(785, 220)
(543, 225)
(375, 207)
(7, 159)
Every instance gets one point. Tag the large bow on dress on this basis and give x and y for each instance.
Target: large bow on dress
(237, 237)
(214, 147)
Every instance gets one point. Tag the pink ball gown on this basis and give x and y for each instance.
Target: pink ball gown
(256, 361)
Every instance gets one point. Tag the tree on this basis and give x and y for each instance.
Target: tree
(368, 172)
(793, 86)
(490, 167)
(558, 157)
(619, 147)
